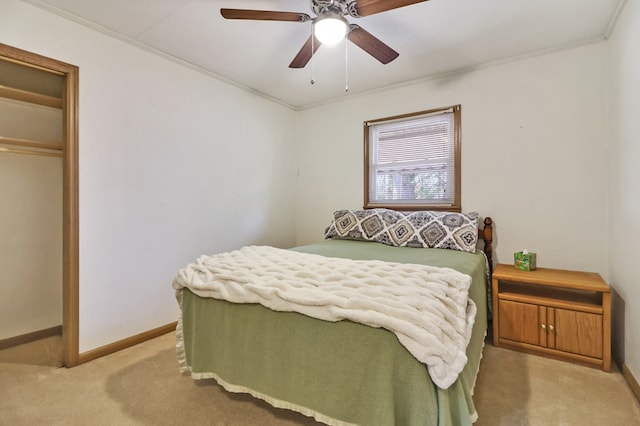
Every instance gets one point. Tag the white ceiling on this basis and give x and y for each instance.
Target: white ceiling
(433, 37)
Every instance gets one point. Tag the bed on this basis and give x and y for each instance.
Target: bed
(339, 372)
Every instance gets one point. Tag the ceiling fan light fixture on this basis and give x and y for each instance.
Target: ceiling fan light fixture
(330, 28)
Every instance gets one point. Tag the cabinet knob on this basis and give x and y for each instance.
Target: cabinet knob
(551, 327)
(543, 326)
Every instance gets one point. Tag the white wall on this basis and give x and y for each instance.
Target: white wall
(533, 153)
(624, 178)
(164, 152)
(173, 164)
(30, 223)
(30, 243)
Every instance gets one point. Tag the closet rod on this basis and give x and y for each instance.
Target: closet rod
(31, 144)
(27, 152)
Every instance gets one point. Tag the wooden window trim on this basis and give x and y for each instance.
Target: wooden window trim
(457, 204)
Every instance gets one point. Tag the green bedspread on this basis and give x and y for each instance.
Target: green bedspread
(339, 373)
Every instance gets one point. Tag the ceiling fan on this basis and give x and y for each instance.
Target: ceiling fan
(330, 25)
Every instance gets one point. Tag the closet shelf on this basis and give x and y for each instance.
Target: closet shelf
(31, 97)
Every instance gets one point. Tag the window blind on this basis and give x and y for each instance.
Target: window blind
(413, 160)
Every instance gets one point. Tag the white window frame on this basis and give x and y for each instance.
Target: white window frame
(449, 157)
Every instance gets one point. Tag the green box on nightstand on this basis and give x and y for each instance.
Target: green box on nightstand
(524, 261)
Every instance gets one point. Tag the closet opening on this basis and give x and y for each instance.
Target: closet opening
(39, 189)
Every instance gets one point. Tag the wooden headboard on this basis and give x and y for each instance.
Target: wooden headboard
(486, 235)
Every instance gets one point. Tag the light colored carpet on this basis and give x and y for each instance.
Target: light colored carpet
(141, 386)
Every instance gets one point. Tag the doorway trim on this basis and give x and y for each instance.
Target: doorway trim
(70, 228)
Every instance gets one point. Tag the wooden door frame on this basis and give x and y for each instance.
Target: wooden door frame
(70, 256)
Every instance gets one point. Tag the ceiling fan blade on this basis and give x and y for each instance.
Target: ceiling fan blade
(370, 7)
(370, 44)
(264, 15)
(305, 54)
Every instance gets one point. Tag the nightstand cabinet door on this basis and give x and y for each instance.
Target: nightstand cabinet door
(577, 332)
(520, 322)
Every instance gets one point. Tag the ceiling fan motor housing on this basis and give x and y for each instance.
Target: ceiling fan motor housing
(342, 7)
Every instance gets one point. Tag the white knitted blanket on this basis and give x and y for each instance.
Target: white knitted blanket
(427, 307)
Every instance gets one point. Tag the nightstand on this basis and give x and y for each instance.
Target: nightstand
(552, 312)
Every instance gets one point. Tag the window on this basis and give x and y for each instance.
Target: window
(412, 161)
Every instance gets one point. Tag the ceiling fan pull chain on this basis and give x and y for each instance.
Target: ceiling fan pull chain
(313, 81)
(346, 66)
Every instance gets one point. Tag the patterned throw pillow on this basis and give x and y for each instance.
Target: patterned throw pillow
(432, 229)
